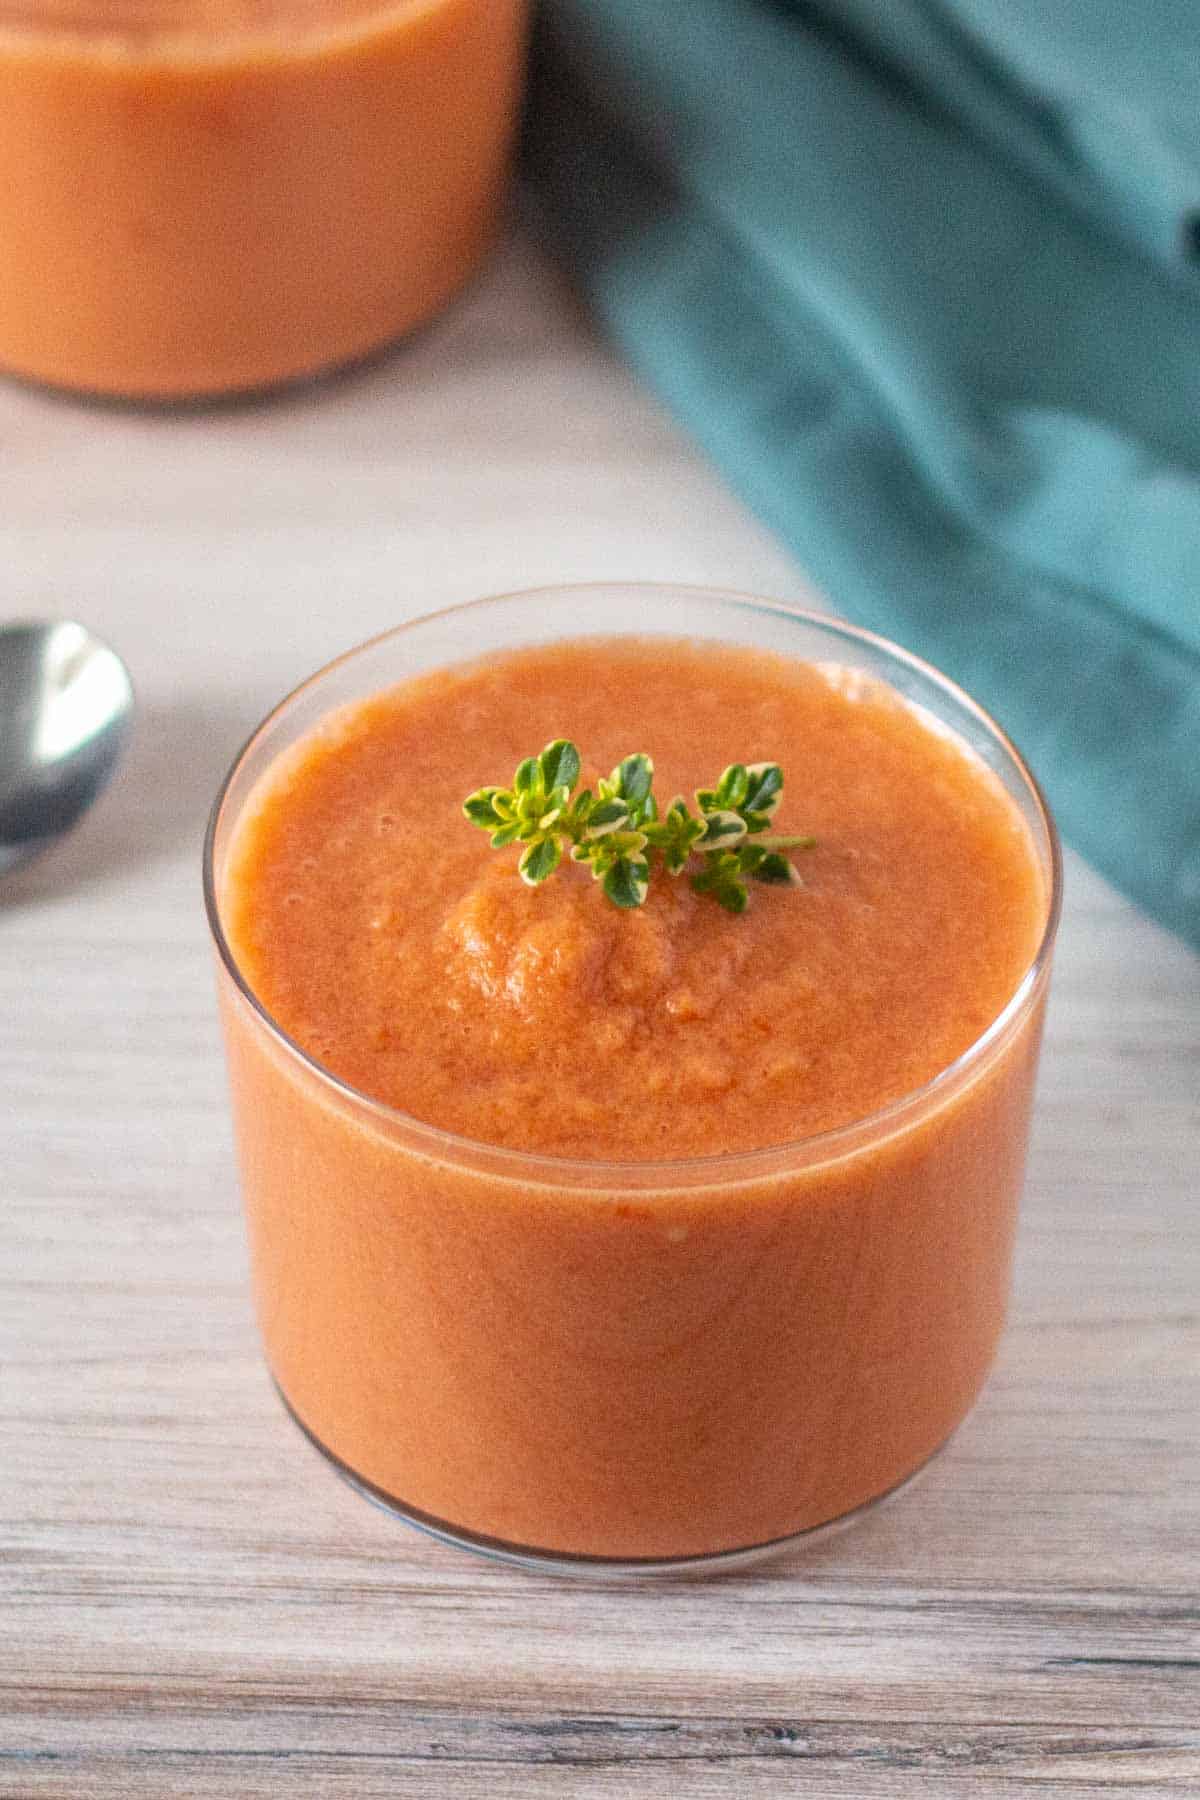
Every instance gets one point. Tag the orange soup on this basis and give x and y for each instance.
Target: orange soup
(196, 199)
(605, 1370)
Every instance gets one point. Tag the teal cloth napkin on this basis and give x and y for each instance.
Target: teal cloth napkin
(924, 280)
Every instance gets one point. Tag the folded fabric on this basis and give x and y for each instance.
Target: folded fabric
(940, 324)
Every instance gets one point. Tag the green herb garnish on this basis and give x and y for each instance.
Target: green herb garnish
(618, 830)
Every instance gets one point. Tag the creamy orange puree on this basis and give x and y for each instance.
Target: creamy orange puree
(198, 196)
(594, 1364)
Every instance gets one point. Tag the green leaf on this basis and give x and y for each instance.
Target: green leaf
(480, 807)
(731, 788)
(719, 877)
(627, 881)
(540, 860)
(624, 843)
(764, 787)
(675, 836)
(707, 800)
(507, 834)
(732, 896)
(560, 764)
(606, 816)
(721, 830)
(631, 779)
(776, 870)
(528, 776)
(575, 817)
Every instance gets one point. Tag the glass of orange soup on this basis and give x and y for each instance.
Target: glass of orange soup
(208, 199)
(631, 1239)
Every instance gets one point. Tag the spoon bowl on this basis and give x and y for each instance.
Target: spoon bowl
(66, 708)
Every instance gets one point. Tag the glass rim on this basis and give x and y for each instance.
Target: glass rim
(723, 1167)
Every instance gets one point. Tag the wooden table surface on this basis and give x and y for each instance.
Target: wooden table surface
(190, 1602)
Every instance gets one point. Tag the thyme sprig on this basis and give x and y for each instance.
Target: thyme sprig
(618, 830)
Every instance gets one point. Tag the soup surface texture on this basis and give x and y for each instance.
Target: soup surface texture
(386, 937)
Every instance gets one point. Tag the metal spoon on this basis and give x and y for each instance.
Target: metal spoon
(66, 707)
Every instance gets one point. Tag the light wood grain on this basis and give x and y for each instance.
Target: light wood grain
(190, 1604)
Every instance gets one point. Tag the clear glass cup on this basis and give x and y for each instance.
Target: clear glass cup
(438, 1313)
(214, 199)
